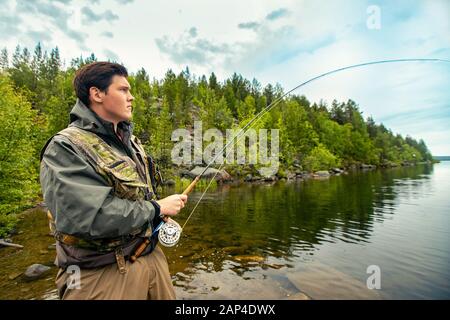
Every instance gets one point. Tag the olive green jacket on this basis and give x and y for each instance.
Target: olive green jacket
(81, 201)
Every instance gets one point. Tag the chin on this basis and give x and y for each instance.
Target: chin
(128, 118)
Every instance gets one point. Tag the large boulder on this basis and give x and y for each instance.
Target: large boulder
(337, 170)
(367, 166)
(36, 271)
(222, 175)
(291, 175)
(322, 173)
(169, 182)
(186, 173)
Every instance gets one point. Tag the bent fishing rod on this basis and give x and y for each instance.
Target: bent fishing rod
(169, 232)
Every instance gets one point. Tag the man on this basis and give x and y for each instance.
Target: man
(99, 187)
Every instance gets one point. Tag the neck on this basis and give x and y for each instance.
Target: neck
(104, 115)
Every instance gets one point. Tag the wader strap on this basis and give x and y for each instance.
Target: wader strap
(120, 259)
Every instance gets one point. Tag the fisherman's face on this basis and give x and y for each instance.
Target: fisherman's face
(117, 100)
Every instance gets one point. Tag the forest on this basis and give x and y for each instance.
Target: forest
(37, 96)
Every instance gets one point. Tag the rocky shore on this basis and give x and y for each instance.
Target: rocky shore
(247, 174)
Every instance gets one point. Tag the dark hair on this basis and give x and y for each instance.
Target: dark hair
(96, 74)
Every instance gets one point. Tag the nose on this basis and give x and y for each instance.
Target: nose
(130, 97)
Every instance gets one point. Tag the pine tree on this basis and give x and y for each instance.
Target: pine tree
(4, 60)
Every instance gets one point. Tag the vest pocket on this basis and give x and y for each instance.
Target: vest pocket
(123, 171)
(115, 164)
(126, 181)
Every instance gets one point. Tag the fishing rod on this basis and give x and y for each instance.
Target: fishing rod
(169, 232)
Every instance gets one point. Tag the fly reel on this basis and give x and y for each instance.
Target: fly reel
(169, 233)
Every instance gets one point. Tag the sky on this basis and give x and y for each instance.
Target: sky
(279, 41)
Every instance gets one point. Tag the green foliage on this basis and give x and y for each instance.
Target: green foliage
(7, 223)
(213, 112)
(320, 158)
(160, 138)
(299, 135)
(246, 110)
(37, 96)
(183, 183)
(17, 172)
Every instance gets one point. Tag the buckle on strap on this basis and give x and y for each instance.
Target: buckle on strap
(66, 239)
(120, 259)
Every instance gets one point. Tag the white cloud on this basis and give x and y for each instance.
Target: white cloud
(303, 39)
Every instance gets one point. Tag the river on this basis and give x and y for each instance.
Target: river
(313, 239)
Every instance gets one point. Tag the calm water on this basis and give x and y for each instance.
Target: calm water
(292, 240)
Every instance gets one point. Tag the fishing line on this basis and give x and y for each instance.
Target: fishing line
(242, 132)
(170, 232)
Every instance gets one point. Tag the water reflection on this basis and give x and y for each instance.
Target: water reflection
(293, 240)
(285, 215)
(283, 226)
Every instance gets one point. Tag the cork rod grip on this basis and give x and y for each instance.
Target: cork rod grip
(191, 186)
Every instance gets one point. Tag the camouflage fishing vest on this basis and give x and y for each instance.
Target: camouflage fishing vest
(120, 172)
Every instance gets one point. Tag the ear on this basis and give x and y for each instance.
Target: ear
(96, 95)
